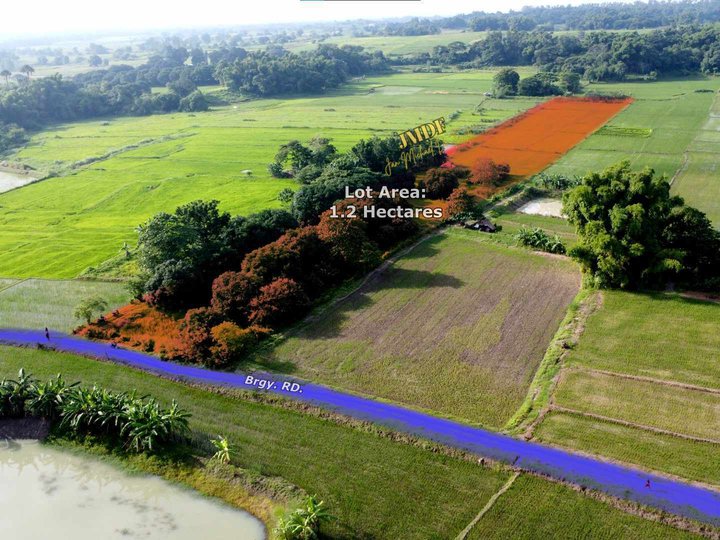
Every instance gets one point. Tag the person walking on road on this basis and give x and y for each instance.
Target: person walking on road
(47, 333)
(647, 483)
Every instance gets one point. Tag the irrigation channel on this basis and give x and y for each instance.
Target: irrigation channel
(666, 494)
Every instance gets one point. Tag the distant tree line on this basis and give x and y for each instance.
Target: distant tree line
(125, 90)
(599, 16)
(597, 56)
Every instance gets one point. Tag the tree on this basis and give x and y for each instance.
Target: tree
(278, 303)
(486, 171)
(87, 308)
(352, 250)
(231, 295)
(95, 61)
(196, 340)
(632, 233)
(27, 70)
(194, 102)
(460, 202)
(6, 74)
(569, 82)
(230, 342)
(440, 182)
(505, 82)
(540, 84)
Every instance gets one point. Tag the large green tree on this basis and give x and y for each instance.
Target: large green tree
(633, 233)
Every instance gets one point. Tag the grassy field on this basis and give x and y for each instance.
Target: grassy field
(456, 326)
(533, 508)
(699, 180)
(668, 339)
(666, 119)
(673, 338)
(377, 488)
(37, 303)
(694, 460)
(58, 227)
(680, 410)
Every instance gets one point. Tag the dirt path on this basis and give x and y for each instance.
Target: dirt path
(487, 507)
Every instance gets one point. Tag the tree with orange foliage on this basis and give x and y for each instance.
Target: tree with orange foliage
(195, 337)
(231, 342)
(231, 295)
(278, 303)
(486, 171)
(349, 244)
(460, 202)
(299, 255)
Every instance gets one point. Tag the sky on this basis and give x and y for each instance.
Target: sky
(28, 18)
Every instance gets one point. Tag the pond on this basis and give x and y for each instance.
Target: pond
(48, 493)
(10, 181)
(543, 207)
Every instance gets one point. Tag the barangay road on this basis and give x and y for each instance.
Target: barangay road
(624, 482)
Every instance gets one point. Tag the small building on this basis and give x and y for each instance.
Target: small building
(482, 225)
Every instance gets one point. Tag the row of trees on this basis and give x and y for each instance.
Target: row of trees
(124, 90)
(605, 16)
(237, 277)
(597, 56)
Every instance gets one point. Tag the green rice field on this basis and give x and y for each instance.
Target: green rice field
(39, 303)
(59, 227)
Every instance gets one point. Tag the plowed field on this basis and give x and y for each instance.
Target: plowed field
(533, 140)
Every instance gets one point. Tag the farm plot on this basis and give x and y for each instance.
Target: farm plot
(665, 120)
(641, 364)
(533, 508)
(532, 141)
(456, 326)
(37, 303)
(673, 338)
(59, 227)
(376, 487)
(699, 179)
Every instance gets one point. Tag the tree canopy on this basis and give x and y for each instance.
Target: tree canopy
(633, 233)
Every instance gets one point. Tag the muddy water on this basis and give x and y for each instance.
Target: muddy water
(10, 181)
(543, 207)
(47, 493)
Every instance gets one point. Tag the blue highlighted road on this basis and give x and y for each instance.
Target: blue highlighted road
(673, 496)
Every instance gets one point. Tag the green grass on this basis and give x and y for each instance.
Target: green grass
(533, 508)
(680, 410)
(457, 326)
(666, 119)
(688, 459)
(59, 227)
(37, 303)
(376, 487)
(699, 180)
(653, 335)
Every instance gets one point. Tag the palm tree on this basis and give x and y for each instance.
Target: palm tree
(5, 73)
(27, 70)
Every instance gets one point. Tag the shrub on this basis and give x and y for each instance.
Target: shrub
(304, 523)
(460, 202)
(231, 342)
(486, 171)
(538, 239)
(278, 303)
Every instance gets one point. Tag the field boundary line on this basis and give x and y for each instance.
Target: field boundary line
(547, 376)
(487, 507)
(644, 427)
(18, 282)
(674, 384)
